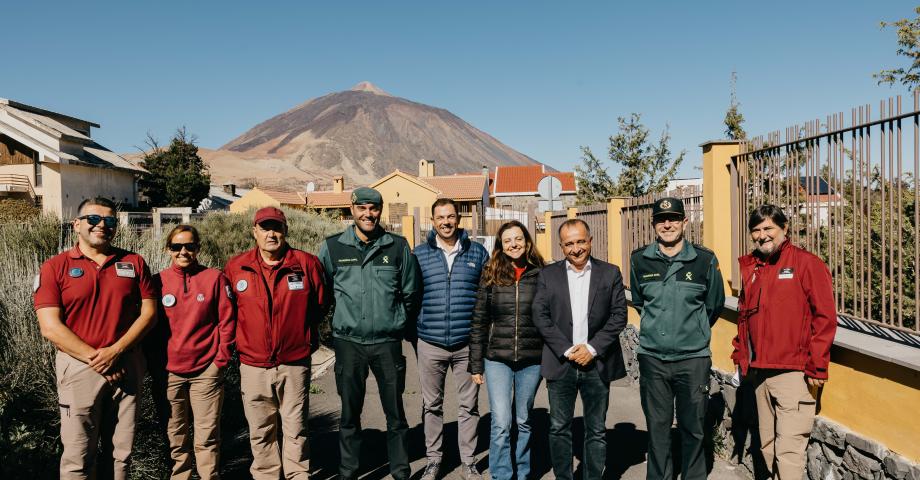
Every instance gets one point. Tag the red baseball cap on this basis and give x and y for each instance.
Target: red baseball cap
(269, 213)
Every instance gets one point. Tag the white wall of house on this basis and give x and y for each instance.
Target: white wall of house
(79, 183)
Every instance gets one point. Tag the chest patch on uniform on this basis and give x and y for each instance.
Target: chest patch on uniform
(168, 300)
(242, 285)
(785, 273)
(344, 262)
(200, 297)
(75, 272)
(125, 269)
(651, 275)
(295, 281)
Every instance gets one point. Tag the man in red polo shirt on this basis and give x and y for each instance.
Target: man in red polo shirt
(94, 303)
(280, 301)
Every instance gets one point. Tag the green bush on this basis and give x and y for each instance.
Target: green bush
(17, 210)
(29, 416)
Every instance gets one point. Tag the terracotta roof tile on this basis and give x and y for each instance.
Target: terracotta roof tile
(524, 179)
(284, 197)
(458, 187)
(328, 199)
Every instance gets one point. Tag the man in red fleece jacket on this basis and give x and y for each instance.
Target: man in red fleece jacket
(280, 300)
(787, 319)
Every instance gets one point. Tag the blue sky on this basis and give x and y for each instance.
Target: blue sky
(542, 77)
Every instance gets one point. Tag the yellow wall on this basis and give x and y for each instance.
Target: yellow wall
(872, 397)
(398, 189)
(255, 198)
(717, 229)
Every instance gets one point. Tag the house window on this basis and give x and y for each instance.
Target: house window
(38, 169)
(39, 203)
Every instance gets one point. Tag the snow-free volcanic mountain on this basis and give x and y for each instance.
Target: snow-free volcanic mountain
(363, 133)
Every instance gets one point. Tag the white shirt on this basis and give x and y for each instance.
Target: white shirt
(450, 253)
(579, 283)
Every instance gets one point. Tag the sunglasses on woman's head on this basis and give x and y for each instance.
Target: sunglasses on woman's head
(93, 220)
(177, 247)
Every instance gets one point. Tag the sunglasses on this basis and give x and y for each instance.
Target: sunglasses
(177, 247)
(93, 220)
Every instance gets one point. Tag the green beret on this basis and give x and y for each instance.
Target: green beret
(365, 195)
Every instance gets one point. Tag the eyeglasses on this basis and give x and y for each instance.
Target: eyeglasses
(93, 220)
(177, 247)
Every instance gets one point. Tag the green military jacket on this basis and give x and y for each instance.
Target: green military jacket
(376, 286)
(678, 298)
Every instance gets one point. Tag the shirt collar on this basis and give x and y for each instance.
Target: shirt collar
(443, 246)
(570, 268)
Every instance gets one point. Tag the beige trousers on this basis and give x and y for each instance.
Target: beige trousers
(93, 409)
(273, 397)
(786, 414)
(199, 396)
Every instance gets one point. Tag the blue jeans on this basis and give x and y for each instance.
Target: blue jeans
(595, 395)
(503, 380)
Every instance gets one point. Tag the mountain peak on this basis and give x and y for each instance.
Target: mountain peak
(369, 87)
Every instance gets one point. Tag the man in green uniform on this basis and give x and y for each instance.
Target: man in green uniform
(376, 287)
(677, 288)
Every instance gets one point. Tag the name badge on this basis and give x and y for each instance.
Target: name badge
(125, 269)
(295, 281)
(785, 273)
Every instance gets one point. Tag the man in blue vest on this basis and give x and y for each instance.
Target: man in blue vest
(451, 265)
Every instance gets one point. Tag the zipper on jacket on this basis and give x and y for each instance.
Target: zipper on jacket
(269, 324)
(185, 281)
(517, 284)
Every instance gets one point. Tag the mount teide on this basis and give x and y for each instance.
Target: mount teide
(363, 133)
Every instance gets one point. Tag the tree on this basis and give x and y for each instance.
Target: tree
(177, 177)
(733, 117)
(908, 46)
(645, 168)
(594, 183)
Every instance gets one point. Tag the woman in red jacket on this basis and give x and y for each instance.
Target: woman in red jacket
(199, 320)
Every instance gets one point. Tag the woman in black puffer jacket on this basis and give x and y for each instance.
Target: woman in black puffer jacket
(505, 345)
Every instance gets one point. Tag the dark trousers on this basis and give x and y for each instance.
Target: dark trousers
(595, 395)
(352, 362)
(660, 384)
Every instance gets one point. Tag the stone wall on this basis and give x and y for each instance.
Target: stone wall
(834, 452)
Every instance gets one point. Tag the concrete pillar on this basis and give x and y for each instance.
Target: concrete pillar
(717, 203)
(615, 244)
(157, 224)
(571, 212)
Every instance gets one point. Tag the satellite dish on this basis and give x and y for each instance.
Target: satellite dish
(311, 187)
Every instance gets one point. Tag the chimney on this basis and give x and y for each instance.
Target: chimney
(485, 171)
(230, 189)
(338, 184)
(425, 168)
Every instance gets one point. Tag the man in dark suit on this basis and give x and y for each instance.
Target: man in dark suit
(580, 309)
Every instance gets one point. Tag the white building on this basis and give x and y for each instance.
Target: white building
(51, 159)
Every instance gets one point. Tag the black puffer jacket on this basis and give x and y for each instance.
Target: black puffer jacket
(502, 328)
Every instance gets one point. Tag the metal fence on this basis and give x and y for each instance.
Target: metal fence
(637, 220)
(851, 196)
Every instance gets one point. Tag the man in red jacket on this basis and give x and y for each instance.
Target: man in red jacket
(280, 300)
(786, 324)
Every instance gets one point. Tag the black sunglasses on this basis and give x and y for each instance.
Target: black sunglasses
(177, 247)
(93, 220)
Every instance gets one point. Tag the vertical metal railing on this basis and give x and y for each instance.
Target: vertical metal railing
(851, 199)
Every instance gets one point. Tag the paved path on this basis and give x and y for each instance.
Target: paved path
(626, 435)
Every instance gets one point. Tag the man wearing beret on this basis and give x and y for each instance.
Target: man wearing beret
(677, 288)
(376, 285)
